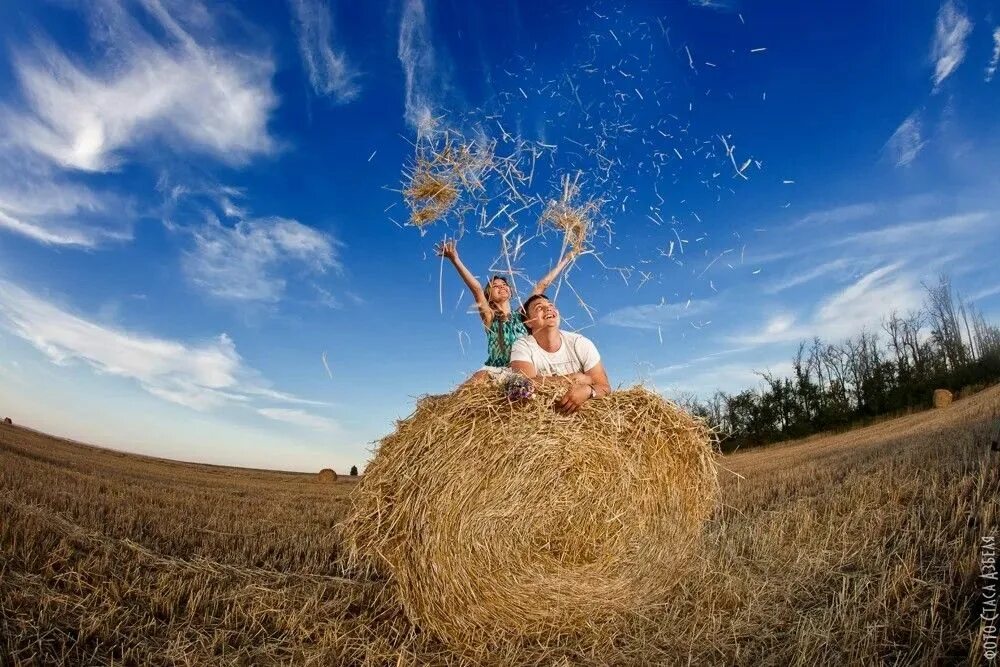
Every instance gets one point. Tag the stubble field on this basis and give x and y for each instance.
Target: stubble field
(846, 549)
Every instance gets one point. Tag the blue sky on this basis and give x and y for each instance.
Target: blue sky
(203, 250)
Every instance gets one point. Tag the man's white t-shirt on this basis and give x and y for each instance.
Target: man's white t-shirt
(576, 354)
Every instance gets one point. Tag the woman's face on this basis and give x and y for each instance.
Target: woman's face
(499, 291)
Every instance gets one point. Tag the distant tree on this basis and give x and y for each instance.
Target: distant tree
(946, 344)
(354, 471)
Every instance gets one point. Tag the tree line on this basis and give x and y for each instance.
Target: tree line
(945, 344)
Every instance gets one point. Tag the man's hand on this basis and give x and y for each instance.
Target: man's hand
(573, 399)
(580, 378)
(448, 249)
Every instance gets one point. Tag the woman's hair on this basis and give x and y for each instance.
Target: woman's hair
(486, 290)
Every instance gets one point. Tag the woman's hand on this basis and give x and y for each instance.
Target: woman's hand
(448, 249)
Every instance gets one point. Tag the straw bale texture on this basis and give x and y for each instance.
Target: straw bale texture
(326, 475)
(495, 520)
(942, 398)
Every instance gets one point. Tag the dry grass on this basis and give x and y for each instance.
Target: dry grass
(495, 523)
(440, 174)
(854, 549)
(575, 219)
(430, 194)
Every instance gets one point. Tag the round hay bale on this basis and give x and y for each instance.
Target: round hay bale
(942, 398)
(326, 476)
(494, 520)
(8, 421)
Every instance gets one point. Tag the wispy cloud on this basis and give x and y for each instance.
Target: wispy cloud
(245, 261)
(838, 214)
(720, 5)
(794, 280)
(950, 33)
(730, 377)
(936, 228)
(654, 316)
(200, 376)
(906, 142)
(55, 212)
(991, 68)
(211, 99)
(844, 313)
(330, 73)
(299, 418)
(985, 292)
(673, 368)
(416, 54)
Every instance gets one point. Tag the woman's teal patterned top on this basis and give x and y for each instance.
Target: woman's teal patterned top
(500, 337)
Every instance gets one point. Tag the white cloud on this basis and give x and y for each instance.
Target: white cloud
(667, 370)
(837, 214)
(730, 378)
(906, 142)
(865, 302)
(211, 99)
(59, 213)
(948, 49)
(722, 5)
(329, 71)
(779, 324)
(991, 69)
(416, 54)
(846, 312)
(653, 316)
(299, 418)
(807, 276)
(985, 292)
(201, 376)
(244, 262)
(907, 233)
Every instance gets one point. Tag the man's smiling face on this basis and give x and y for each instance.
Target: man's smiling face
(542, 314)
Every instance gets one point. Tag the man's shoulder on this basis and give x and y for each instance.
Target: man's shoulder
(574, 338)
(523, 343)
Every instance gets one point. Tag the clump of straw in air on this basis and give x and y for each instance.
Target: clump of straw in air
(497, 522)
(430, 194)
(575, 220)
(440, 175)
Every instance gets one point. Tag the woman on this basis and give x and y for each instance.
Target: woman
(503, 326)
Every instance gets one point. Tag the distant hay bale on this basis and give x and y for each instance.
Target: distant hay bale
(326, 476)
(942, 398)
(575, 220)
(495, 521)
(8, 421)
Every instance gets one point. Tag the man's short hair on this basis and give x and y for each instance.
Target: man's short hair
(526, 305)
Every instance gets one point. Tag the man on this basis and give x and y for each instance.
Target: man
(549, 352)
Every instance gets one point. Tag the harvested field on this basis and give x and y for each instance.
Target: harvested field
(855, 548)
